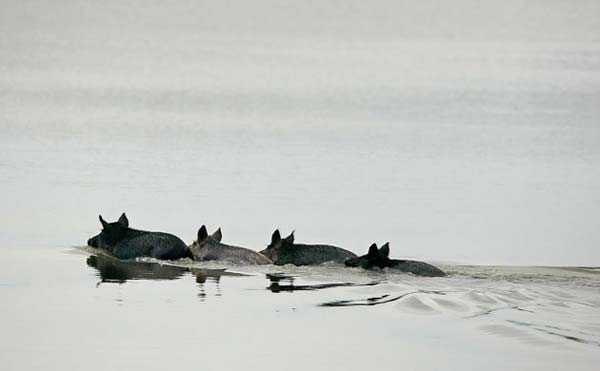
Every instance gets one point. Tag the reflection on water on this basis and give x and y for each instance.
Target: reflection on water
(558, 331)
(277, 286)
(211, 275)
(537, 305)
(376, 300)
(112, 270)
(116, 271)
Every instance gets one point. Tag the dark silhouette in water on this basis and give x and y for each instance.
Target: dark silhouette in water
(114, 270)
(207, 248)
(277, 286)
(379, 258)
(211, 275)
(127, 243)
(285, 251)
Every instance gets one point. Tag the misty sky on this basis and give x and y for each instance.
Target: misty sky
(512, 20)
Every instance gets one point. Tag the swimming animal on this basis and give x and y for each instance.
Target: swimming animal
(127, 243)
(284, 251)
(207, 248)
(379, 258)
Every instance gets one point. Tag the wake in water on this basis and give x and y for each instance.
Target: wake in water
(538, 305)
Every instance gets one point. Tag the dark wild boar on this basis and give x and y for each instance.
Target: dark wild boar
(207, 248)
(127, 243)
(284, 251)
(379, 258)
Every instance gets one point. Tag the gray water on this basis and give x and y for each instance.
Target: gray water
(466, 135)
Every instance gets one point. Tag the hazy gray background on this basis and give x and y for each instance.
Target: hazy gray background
(464, 131)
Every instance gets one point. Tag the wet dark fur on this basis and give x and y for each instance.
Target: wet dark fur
(127, 243)
(379, 258)
(285, 251)
(207, 248)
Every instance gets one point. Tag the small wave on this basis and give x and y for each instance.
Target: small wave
(556, 331)
(376, 300)
(514, 333)
(533, 304)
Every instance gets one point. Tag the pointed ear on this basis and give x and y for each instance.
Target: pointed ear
(290, 238)
(102, 221)
(275, 237)
(123, 220)
(385, 250)
(218, 235)
(202, 234)
(373, 250)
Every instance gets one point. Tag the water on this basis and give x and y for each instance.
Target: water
(71, 311)
(458, 147)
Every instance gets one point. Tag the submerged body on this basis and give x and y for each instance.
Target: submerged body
(210, 248)
(416, 267)
(379, 258)
(285, 251)
(127, 243)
